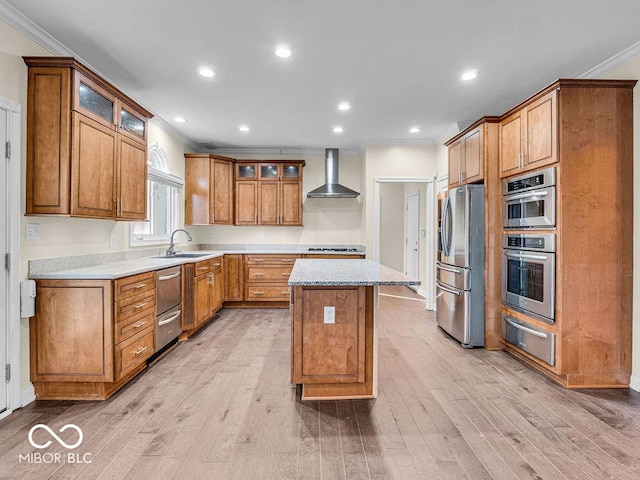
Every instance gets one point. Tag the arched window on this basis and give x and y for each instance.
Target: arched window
(163, 201)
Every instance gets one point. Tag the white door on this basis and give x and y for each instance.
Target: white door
(4, 229)
(412, 235)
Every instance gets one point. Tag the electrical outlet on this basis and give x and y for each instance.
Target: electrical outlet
(32, 231)
(212, 237)
(263, 237)
(329, 314)
(112, 241)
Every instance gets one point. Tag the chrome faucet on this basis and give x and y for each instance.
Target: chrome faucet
(172, 248)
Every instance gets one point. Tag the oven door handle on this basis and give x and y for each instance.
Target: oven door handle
(447, 289)
(448, 269)
(532, 194)
(525, 329)
(170, 319)
(526, 256)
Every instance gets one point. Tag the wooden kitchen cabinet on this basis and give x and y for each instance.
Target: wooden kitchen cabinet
(208, 190)
(234, 278)
(269, 193)
(467, 156)
(86, 144)
(267, 277)
(203, 287)
(528, 136)
(585, 128)
(89, 337)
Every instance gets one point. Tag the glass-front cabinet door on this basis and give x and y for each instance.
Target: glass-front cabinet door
(291, 171)
(94, 102)
(246, 171)
(269, 171)
(132, 124)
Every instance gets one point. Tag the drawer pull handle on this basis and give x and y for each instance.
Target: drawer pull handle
(203, 268)
(285, 293)
(217, 264)
(168, 277)
(286, 261)
(258, 274)
(139, 324)
(286, 274)
(138, 352)
(258, 293)
(257, 260)
(141, 285)
(140, 305)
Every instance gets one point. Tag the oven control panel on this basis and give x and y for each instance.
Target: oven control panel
(541, 242)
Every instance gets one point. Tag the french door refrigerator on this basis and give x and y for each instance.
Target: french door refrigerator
(460, 266)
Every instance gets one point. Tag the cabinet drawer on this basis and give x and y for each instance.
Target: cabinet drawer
(271, 259)
(202, 268)
(129, 286)
(134, 325)
(268, 274)
(268, 293)
(134, 306)
(217, 264)
(135, 351)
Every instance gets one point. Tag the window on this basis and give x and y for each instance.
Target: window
(163, 202)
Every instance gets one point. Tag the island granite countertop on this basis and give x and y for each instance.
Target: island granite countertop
(333, 273)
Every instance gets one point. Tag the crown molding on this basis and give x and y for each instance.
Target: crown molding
(382, 142)
(20, 22)
(617, 61)
(276, 152)
(171, 130)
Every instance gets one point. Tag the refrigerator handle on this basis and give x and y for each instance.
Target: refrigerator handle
(447, 289)
(446, 230)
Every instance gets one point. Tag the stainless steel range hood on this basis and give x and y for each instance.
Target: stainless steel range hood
(331, 187)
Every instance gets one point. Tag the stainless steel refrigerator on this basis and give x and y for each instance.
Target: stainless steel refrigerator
(460, 266)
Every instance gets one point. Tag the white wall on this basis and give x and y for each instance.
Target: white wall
(632, 71)
(326, 220)
(404, 161)
(392, 244)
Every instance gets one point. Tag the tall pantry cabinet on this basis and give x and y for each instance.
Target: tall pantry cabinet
(86, 144)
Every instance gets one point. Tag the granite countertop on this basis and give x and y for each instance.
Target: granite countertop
(335, 272)
(125, 268)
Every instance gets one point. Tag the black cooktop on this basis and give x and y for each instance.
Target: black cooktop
(333, 249)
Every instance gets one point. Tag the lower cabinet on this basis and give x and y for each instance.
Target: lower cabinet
(234, 278)
(89, 337)
(203, 287)
(267, 277)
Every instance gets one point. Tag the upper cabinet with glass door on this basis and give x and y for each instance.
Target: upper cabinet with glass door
(97, 103)
(280, 171)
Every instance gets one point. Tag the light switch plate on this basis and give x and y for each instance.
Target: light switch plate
(112, 241)
(329, 314)
(212, 237)
(32, 231)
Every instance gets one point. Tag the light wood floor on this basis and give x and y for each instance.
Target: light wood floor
(220, 407)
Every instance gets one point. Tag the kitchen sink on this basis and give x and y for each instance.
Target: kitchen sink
(184, 255)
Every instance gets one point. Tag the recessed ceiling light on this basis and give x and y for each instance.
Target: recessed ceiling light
(338, 129)
(206, 72)
(244, 128)
(469, 75)
(344, 106)
(414, 130)
(180, 119)
(283, 51)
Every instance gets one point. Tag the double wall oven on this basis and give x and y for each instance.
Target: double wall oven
(529, 261)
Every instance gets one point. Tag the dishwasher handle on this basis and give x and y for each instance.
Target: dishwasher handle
(170, 319)
(162, 278)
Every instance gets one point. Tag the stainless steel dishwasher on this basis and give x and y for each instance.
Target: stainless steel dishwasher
(168, 305)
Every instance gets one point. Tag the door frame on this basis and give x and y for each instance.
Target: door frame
(428, 290)
(13, 239)
(406, 231)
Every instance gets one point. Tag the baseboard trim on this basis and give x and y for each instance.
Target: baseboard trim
(635, 383)
(27, 395)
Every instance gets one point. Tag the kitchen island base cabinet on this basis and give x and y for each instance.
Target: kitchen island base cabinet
(333, 349)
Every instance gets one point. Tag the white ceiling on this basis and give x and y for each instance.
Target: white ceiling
(397, 62)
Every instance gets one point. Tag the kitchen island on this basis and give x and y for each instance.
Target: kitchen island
(334, 338)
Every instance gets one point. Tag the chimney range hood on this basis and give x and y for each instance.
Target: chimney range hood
(331, 187)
